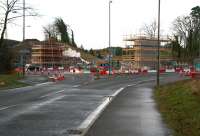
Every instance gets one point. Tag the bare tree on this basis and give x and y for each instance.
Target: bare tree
(50, 31)
(11, 10)
(187, 31)
(182, 27)
(150, 29)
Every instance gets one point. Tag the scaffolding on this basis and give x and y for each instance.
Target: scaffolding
(48, 54)
(142, 51)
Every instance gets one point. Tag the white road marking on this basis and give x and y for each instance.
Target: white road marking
(88, 122)
(75, 89)
(7, 107)
(46, 83)
(117, 92)
(47, 95)
(36, 106)
(29, 109)
(139, 82)
(76, 86)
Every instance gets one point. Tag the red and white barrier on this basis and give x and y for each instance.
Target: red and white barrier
(55, 78)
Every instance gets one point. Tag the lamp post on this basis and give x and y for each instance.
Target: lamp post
(158, 48)
(23, 30)
(110, 1)
(24, 19)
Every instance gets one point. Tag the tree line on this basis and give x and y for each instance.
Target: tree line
(60, 31)
(186, 42)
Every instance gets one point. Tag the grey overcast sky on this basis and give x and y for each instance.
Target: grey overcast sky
(89, 18)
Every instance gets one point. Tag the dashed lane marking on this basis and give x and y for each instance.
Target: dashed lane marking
(76, 86)
(52, 94)
(46, 83)
(7, 107)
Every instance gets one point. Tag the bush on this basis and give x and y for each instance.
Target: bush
(6, 57)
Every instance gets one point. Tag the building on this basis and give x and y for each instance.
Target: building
(48, 54)
(141, 51)
(23, 52)
(54, 54)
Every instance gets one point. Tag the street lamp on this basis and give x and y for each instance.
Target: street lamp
(23, 30)
(24, 19)
(158, 49)
(110, 1)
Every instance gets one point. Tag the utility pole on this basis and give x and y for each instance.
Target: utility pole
(158, 49)
(110, 1)
(24, 14)
(24, 58)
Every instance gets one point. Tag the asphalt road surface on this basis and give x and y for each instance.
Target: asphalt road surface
(60, 108)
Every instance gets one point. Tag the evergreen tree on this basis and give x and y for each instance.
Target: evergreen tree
(91, 51)
(73, 42)
(62, 29)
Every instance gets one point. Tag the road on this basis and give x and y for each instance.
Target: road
(59, 109)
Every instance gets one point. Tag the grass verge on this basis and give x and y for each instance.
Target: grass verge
(11, 81)
(179, 104)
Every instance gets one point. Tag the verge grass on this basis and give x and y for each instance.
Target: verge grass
(9, 81)
(179, 104)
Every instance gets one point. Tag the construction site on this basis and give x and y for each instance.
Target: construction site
(47, 54)
(55, 54)
(141, 51)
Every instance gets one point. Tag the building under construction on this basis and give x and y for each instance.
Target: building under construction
(48, 54)
(54, 54)
(141, 51)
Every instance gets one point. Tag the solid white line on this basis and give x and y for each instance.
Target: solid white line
(47, 95)
(93, 116)
(117, 92)
(87, 123)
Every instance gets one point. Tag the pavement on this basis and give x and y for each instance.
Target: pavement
(132, 113)
(72, 106)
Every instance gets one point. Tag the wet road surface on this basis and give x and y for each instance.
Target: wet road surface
(56, 109)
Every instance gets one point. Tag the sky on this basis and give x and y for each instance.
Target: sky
(89, 19)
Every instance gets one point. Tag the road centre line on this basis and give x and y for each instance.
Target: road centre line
(76, 86)
(47, 95)
(139, 82)
(7, 107)
(36, 106)
(46, 83)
